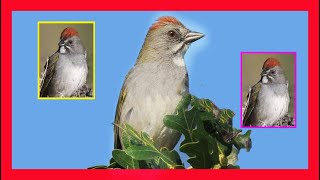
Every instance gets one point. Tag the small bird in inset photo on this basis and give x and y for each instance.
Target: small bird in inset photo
(268, 100)
(65, 71)
(155, 85)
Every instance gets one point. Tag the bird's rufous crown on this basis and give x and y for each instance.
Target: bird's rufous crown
(164, 20)
(68, 32)
(270, 63)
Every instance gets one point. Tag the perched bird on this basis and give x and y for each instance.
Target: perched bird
(66, 70)
(268, 100)
(156, 83)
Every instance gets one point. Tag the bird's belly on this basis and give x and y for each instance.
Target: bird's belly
(146, 106)
(148, 114)
(154, 91)
(271, 108)
(70, 79)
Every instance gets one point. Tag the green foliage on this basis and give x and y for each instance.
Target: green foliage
(210, 140)
(209, 135)
(141, 152)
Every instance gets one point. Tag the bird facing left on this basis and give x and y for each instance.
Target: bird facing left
(65, 72)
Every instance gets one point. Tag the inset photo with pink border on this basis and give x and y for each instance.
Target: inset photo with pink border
(268, 89)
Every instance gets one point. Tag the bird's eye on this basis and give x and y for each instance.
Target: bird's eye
(70, 42)
(272, 72)
(172, 34)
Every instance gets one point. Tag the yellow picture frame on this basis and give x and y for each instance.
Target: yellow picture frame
(93, 60)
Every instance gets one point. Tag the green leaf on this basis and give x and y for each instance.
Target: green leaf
(199, 158)
(225, 116)
(209, 135)
(204, 105)
(233, 157)
(223, 125)
(210, 140)
(170, 158)
(141, 148)
(174, 155)
(232, 167)
(222, 149)
(133, 137)
(99, 167)
(198, 145)
(124, 160)
(142, 152)
(113, 164)
(149, 164)
(178, 120)
(243, 141)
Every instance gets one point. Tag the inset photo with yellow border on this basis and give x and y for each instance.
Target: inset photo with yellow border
(66, 60)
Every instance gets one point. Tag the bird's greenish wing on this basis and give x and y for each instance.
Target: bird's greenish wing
(122, 97)
(48, 73)
(251, 101)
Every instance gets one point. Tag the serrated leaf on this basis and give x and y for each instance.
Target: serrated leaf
(170, 158)
(199, 158)
(222, 149)
(124, 160)
(226, 116)
(198, 145)
(204, 105)
(233, 157)
(223, 125)
(243, 141)
(130, 136)
(142, 152)
(178, 122)
(209, 135)
(172, 155)
(210, 140)
(142, 148)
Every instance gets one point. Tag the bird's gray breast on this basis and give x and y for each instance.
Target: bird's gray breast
(273, 103)
(153, 91)
(71, 74)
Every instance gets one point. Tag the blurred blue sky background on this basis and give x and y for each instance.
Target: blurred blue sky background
(79, 134)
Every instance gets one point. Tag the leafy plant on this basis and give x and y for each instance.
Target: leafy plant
(210, 140)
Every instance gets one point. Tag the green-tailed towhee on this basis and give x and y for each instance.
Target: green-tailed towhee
(154, 86)
(268, 100)
(66, 70)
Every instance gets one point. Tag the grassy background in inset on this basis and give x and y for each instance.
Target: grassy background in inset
(252, 67)
(50, 37)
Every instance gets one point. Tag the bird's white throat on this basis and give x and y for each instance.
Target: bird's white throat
(62, 49)
(264, 79)
(179, 61)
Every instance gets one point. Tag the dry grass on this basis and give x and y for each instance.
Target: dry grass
(85, 91)
(287, 120)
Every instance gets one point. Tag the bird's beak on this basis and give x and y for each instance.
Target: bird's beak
(61, 43)
(193, 36)
(263, 73)
(266, 74)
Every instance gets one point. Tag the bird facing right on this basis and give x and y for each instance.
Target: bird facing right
(155, 85)
(268, 100)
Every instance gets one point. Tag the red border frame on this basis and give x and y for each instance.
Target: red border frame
(7, 6)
